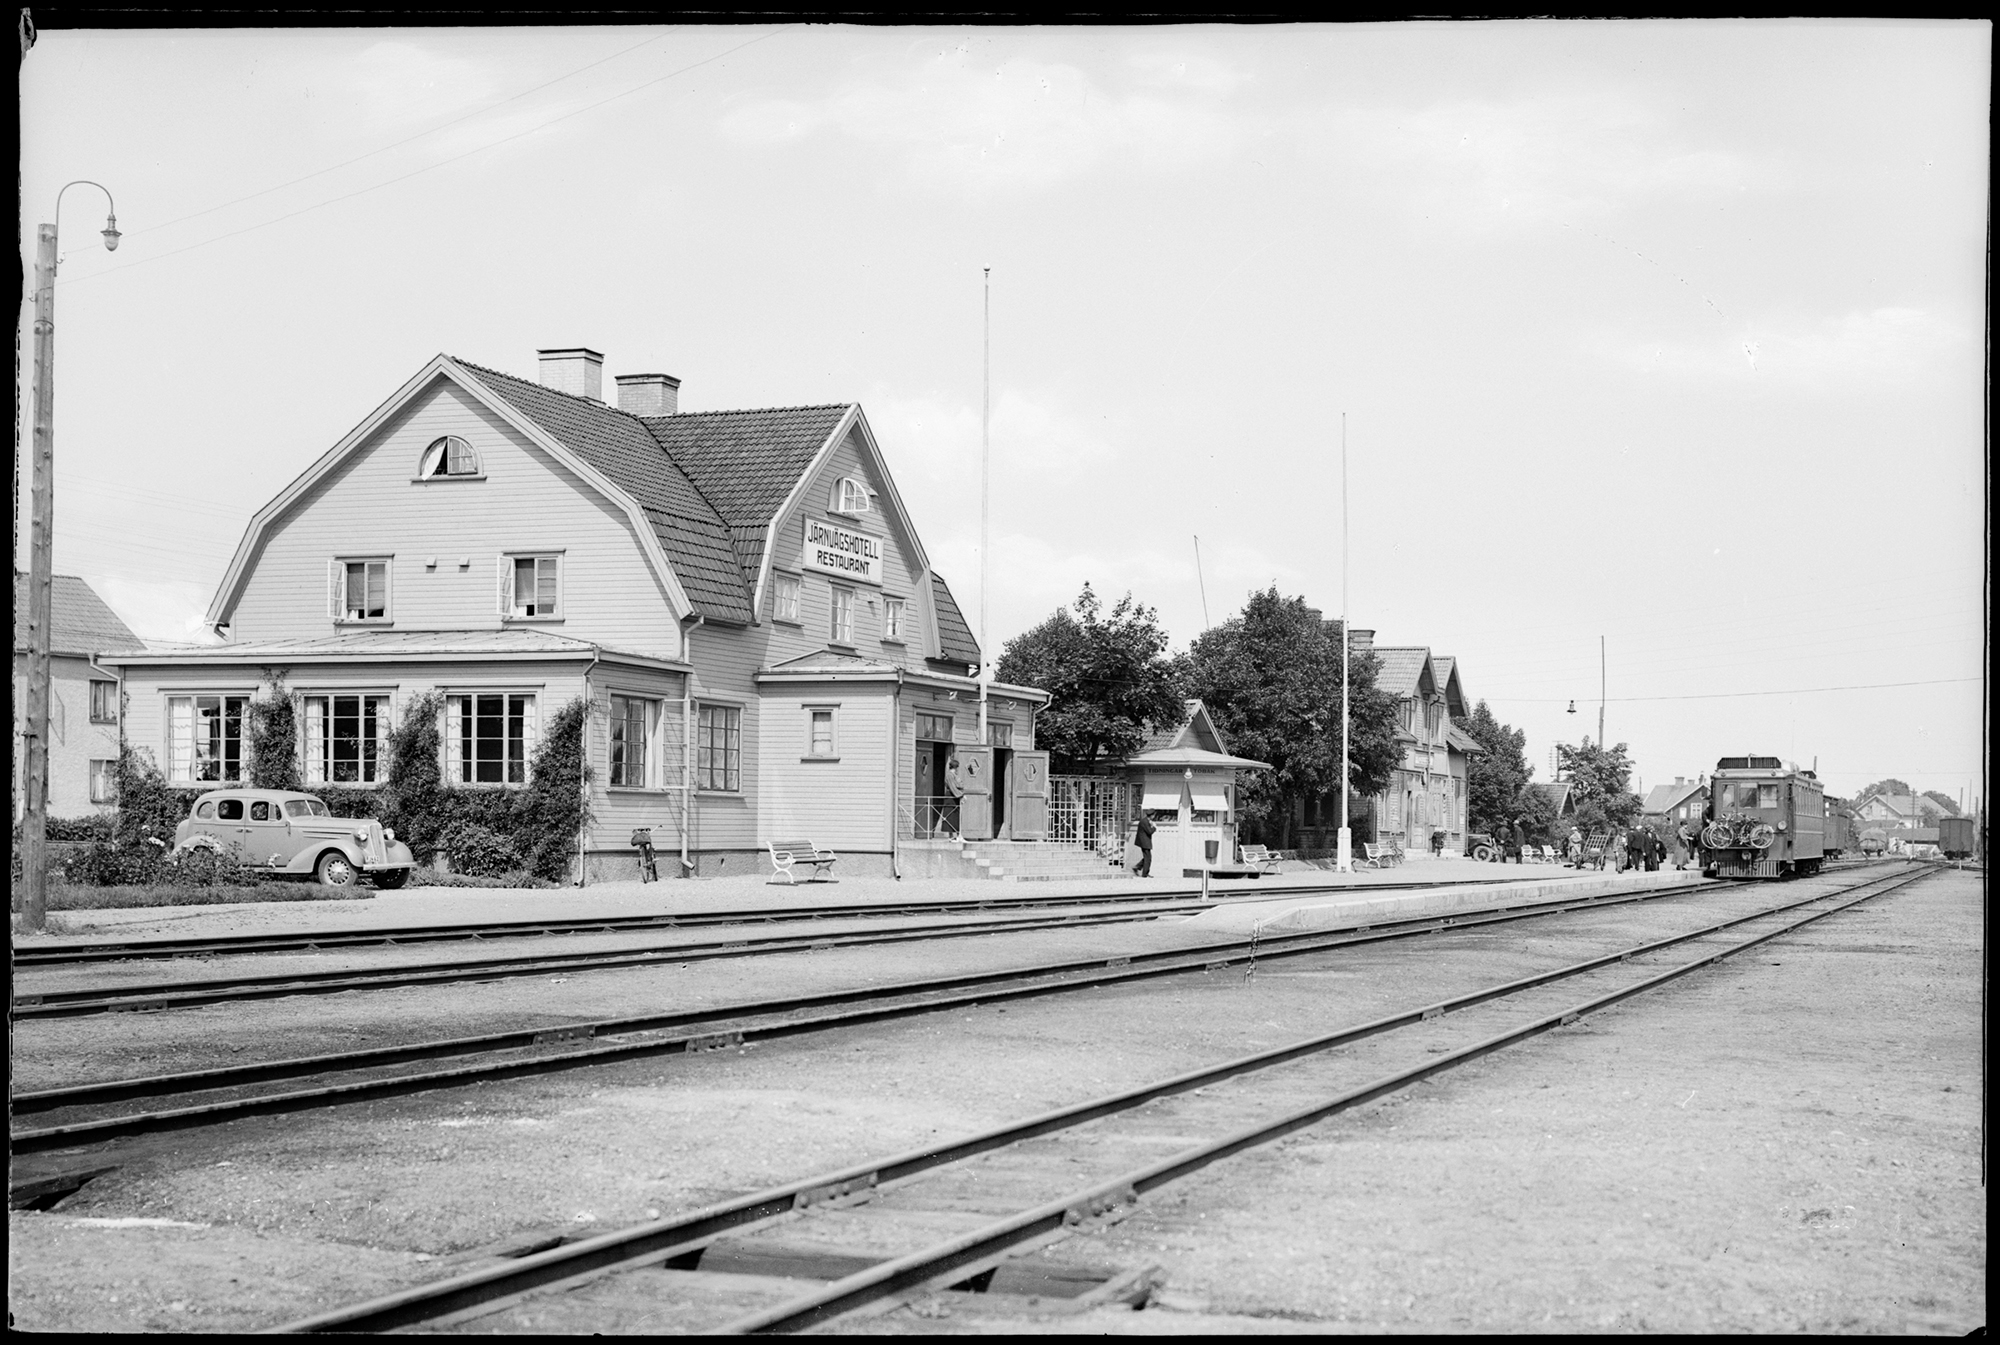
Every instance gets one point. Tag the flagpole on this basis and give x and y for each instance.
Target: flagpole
(985, 419)
(1344, 854)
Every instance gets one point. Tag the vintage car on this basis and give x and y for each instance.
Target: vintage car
(288, 833)
(1482, 847)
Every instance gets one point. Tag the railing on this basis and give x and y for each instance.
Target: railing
(1090, 811)
(933, 816)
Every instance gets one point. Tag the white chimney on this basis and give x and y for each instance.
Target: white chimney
(577, 370)
(649, 394)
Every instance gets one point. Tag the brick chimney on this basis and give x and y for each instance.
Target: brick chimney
(1360, 641)
(649, 394)
(577, 370)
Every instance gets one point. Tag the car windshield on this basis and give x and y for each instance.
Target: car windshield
(305, 808)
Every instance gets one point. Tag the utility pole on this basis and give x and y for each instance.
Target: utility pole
(1344, 845)
(41, 526)
(985, 437)
(1600, 693)
(41, 533)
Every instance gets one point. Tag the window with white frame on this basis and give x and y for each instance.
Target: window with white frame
(820, 741)
(358, 590)
(346, 739)
(489, 736)
(851, 496)
(718, 760)
(530, 586)
(205, 738)
(631, 721)
(999, 734)
(933, 727)
(843, 616)
(103, 702)
(785, 597)
(449, 456)
(103, 781)
(892, 619)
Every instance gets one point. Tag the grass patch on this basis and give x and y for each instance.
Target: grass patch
(422, 877)
(76, 897)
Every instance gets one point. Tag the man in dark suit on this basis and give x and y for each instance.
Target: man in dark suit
(1518, 841)
(1142, 836)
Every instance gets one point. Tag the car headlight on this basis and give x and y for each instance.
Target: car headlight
(388, 833)
(361, 833)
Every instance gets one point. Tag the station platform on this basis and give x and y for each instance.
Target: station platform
(1354, 906)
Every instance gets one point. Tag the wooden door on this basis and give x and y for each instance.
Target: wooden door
(969, 772)
(1030, 810)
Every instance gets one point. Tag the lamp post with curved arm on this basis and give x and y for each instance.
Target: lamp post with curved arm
(35, 730)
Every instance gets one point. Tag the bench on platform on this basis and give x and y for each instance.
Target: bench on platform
(786, 855)
(1376, 854)
(1258, 857)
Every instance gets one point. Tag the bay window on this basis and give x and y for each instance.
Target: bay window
(346, 739)
(205, 738)
(489, 737)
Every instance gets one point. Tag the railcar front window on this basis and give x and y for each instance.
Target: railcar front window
(1767, 796)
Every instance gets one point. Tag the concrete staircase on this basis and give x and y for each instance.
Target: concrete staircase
(1008, 861)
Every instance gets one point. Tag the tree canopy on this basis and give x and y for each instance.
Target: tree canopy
(1943, 800)
(1497, 788)
(1598, 776)
(1108, 675)
(1271, 677)
(1889, 786)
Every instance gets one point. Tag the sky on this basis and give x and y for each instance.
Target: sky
(1664, 339)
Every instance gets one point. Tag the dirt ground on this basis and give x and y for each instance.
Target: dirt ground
(1790, 1141)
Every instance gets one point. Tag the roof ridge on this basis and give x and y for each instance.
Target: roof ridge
(753, 410)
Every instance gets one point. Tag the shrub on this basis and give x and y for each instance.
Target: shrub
(477, 850)
(553, 810)
(413, 789)
(515, 878)
(147, 805)
(98, 827)
(274, 739)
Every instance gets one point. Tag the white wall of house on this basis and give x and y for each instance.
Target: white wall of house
(445, 538)
(75, 740)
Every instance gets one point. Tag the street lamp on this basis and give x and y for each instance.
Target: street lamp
(35, 732)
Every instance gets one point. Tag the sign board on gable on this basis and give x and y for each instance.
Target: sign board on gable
(842, 552)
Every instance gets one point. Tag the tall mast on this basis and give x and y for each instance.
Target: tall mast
(985, 419)
(1344, 848)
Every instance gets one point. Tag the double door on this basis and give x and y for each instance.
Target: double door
(1003, 794)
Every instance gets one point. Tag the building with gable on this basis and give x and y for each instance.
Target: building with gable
(84, 706)
(1184, 777)
(1668, 808)
(739, 598)
(1900, 810)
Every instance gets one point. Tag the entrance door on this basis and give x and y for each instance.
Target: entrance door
(936, 807)
(969, 774)
(1003, 792)
(1029, 815)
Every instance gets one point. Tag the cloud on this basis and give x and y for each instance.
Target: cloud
(1883, 345)
(1024, 123)
(1554, 156)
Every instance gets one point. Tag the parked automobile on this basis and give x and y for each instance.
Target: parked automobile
(288, 833)
(1482, 847)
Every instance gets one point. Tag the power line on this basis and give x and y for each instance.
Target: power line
(416, 172)
(1728, 695)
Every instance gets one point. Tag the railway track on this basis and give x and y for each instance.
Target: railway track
(925, 1219)
(84, 1113)
(71, 953)
(155, 996)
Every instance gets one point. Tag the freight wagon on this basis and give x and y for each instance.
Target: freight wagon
(1955, 837)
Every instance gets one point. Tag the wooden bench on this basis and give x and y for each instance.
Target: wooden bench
(1369, 855)
(1258, 857)
(785, 855)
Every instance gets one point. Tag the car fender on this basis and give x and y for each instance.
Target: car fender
(399, 856)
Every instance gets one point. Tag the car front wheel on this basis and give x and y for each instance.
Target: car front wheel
(391, 879)
(334, 870)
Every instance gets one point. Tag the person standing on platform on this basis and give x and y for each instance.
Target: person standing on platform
(1142, 836)
(1635, 848)
(1653, 849)
(1519, 842)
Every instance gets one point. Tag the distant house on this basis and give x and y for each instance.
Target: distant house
(1673, 806)
(84, 698)
(1900, 810)
(738, 599)
(1561, 795)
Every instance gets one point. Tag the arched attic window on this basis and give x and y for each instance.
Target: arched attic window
(449, 456)
(851, 496)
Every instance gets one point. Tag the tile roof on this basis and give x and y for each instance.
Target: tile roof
(1906, 805)
(693, 534)
(1558, 792)
(1401, 669)
(955, 641)
(1665, 798)
(79, 622)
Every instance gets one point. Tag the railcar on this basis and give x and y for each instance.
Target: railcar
(1955, 837)
(1765, 819)
(1839, 829)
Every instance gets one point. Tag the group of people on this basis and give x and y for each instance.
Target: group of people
(1634, 848)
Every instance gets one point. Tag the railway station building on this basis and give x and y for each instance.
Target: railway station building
(739, 599)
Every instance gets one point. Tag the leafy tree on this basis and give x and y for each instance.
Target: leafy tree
(1944, 801)
(1271, 677)
(1109, 677)
(1598, 778)
(1496, 780)
(1889, 786)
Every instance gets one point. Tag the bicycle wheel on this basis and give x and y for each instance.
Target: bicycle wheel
(1762, 835)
